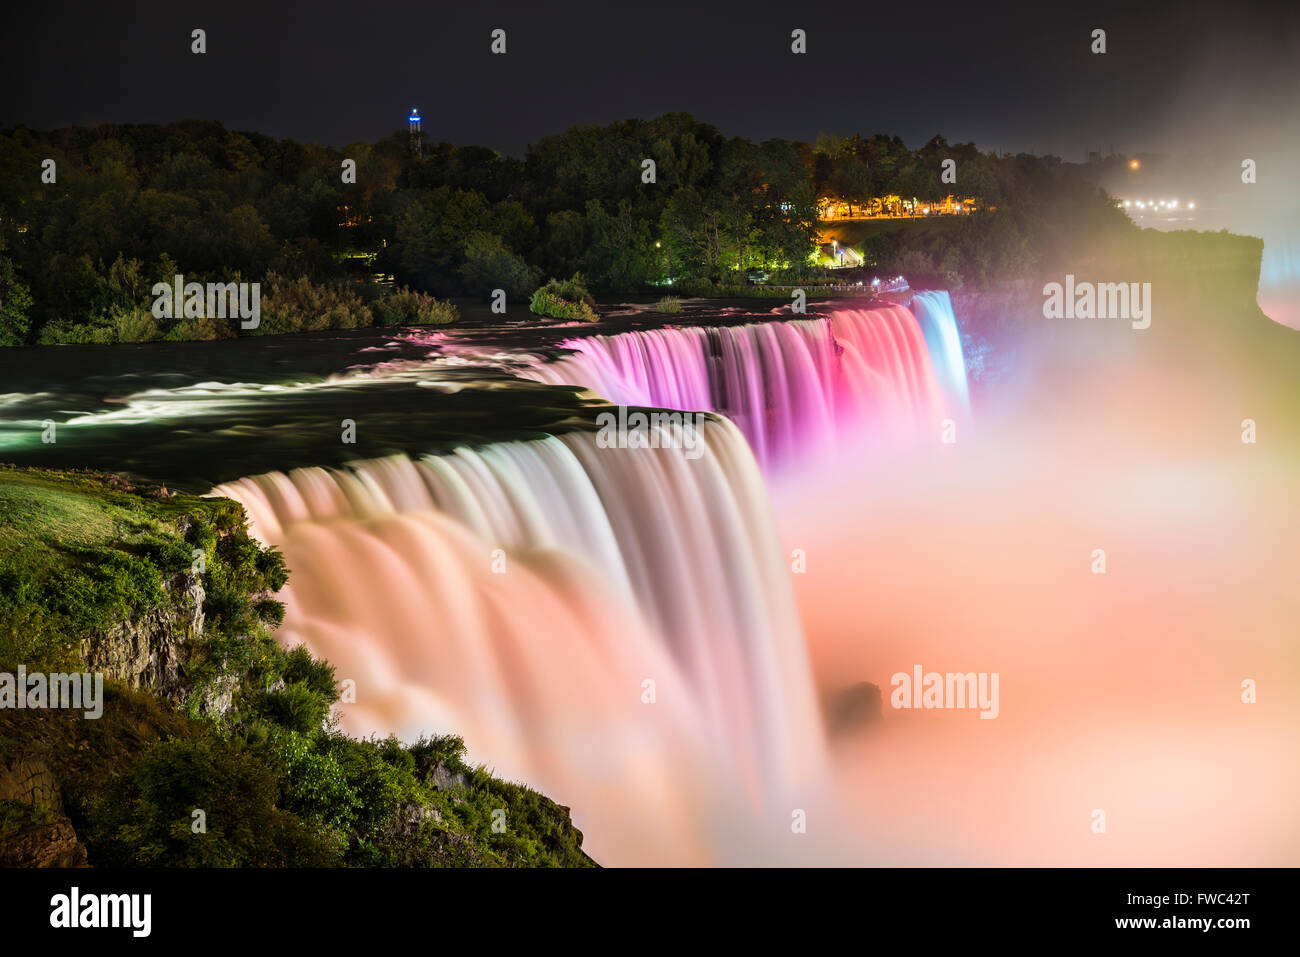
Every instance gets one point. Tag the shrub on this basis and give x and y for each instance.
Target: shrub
(300, 305)
(565, 299)
(317, 675)
(378, 785)
(408, 308)
(269, 612)
(296, 706)
(192, 330)
(315, 785)
(124, 324)
(670, 305)
(144, 817)
(572, 290)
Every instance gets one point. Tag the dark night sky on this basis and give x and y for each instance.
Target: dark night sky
(1177, 75)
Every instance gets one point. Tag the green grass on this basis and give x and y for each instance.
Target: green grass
(50, 510)
(81, 552)
(854, 232)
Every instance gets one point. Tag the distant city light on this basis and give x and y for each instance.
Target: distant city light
(1133, 164)
(1127, 204)
(1191, 205)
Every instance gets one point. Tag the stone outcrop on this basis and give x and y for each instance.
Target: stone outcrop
(146, 652)
(44, 843)
(43, 837)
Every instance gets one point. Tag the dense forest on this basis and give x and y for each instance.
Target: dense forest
(84, 238)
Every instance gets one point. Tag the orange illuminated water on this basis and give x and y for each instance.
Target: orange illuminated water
(749, 604)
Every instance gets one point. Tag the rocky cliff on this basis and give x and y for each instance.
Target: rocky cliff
(213, 746)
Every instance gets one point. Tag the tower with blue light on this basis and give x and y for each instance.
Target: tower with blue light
(417, 141)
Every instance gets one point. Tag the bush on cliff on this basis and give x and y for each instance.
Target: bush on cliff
(145, 817)
(84, 553)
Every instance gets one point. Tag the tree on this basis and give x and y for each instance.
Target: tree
(706, 238)
(490, 264)
(850, 181)
(15, 303)
(619, 255)
(432, 233)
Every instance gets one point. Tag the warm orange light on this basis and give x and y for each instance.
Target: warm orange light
(1133, 164)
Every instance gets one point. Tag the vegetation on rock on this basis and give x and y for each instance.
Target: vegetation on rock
(236, 728)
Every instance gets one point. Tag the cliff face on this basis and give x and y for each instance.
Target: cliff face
(147, 650)
(211, 747)
(34, 827)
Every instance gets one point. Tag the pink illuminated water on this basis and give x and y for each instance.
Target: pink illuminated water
(522, 594)
(795, 388)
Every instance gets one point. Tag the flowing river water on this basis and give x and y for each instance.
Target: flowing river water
(680, 646)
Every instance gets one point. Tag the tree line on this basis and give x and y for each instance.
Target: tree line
(131, 205)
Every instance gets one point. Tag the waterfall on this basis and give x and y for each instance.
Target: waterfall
(524, 593)
(933, 309)
(613, 625)
(797, 388)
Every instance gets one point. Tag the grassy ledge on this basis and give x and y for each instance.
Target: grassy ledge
(216, 747)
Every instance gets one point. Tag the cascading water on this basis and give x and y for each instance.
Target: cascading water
(614, 626)
(523, 593)
(795, 388)
(933, 309)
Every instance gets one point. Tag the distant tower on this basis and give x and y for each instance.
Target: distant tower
(417, 141)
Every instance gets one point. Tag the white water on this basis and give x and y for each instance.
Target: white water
(522, 594)
(614, 566)
(799, 390)
(933, 310)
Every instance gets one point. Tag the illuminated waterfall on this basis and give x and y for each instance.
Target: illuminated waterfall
(796, 388)
(615, 626)
(522, 594)
(933, 309)
(1279, 277)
